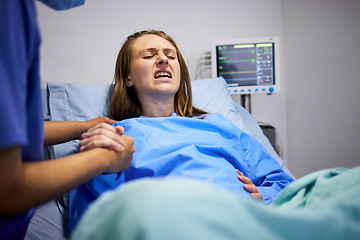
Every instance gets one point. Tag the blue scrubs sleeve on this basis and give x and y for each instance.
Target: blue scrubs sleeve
(21, 121)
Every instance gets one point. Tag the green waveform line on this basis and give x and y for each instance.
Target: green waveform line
(264, 50)
(238, 51)
(233, 61)
(237, 72)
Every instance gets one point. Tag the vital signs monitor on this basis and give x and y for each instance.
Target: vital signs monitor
(249, 66)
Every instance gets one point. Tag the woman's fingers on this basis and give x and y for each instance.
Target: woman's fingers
(240, 173)
(106, 130)
(101, 141)
(249, 186)
(103, 135)
(256, 196)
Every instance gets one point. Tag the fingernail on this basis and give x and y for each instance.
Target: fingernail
(120, 148)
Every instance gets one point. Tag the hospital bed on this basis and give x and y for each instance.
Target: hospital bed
(81, 102)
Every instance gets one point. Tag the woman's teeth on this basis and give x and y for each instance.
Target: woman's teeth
(162, 74)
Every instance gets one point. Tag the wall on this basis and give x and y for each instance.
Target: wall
(81, 44)
(316, 113)
(322, 61)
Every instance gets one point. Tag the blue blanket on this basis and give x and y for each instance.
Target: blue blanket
(209, 149)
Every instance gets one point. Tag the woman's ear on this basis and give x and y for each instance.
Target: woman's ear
(129, 83)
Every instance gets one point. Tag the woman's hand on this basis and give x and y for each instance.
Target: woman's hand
(103, 135)
(249, 186)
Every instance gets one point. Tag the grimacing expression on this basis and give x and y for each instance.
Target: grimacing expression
(154, 68)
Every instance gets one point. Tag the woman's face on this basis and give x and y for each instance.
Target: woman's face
(154, 68)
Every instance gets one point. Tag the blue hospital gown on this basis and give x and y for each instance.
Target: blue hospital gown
(209, 149)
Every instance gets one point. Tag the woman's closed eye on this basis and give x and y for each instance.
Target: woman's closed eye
(171, 57)
(151, 56)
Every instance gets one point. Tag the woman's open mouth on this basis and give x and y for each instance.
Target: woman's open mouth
(162, 74)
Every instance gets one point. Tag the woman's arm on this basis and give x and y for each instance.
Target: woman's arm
(62, 131)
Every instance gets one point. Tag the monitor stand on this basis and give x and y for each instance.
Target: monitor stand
(245, 101)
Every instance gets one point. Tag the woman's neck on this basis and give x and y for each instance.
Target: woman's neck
(157, 108)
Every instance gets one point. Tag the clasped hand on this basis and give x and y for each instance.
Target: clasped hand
(104, 135)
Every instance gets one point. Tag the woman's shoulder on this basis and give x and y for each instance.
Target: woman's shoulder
(210, 116)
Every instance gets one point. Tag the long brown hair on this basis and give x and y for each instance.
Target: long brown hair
(124, 101)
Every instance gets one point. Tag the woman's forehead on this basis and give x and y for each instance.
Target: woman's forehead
(152, 41)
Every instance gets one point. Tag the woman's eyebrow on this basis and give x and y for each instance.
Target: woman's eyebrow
(154, 50)
(169, 50)
(151, 50)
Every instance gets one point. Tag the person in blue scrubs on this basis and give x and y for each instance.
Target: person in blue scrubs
(25, 180)
(152, 98)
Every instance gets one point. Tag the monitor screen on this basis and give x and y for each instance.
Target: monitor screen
(248, 65)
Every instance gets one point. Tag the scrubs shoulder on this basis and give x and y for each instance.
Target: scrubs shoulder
(21, 122)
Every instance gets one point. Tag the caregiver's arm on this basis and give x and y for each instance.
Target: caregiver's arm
(56, 132)
(29, 184)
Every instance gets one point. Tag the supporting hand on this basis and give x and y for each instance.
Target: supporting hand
(95, 121)
(123, 158)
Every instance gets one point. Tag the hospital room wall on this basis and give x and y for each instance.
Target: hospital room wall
(322, 62)
(81, 45)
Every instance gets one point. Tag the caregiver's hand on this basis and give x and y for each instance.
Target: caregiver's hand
(95, 121)
(249, 186)
(122, 159)
(103, 135)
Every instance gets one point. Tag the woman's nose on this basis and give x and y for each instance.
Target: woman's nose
(162, 60)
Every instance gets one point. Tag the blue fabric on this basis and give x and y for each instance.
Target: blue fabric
(212, 95)
(62, 4)
(21, 122)
(208, 149)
